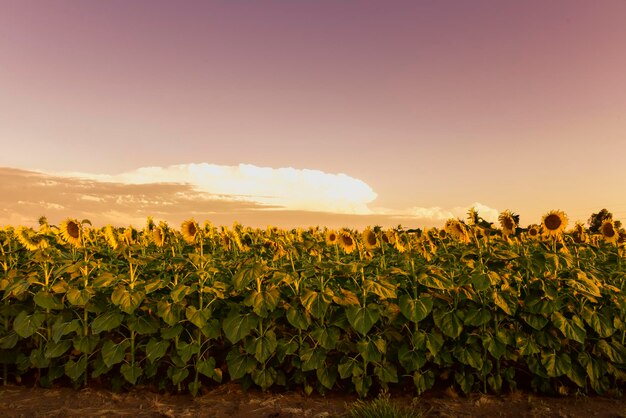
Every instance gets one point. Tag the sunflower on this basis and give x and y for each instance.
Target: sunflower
(346, 241)
(111, 237)
(553, 223)
(158, 236)
(369, 239)
(534, 231)
(30, 240)
(578, 234)
(189, 229)
(508, 222)
(608, 231)
(72, 232)
(456, 230)
(130, 235)
(331, 237)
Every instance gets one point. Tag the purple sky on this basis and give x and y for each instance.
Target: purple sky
(516, 105)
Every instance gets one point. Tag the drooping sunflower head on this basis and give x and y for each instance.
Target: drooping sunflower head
(29, 239)
(579, 234)
(369, 239)
(508, 222)
(331, 237)
(130, 235)
(456, 230)
(72, 232)
(346, 241)
(189, 229)
(158, 236)
(608, 231)
(553, 223)
(111, 237)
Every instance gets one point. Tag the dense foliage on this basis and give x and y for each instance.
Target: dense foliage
(472, 305)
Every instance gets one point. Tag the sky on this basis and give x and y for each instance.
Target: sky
(294, 113)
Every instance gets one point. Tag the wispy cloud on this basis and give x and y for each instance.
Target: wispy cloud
(223, 194)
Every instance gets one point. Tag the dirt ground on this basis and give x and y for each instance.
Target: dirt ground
(229, 400)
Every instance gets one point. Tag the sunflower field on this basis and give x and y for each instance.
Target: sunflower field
(474, 305)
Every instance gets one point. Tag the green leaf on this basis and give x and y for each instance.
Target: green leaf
(264, 377)
(469, 355)
(9, 341)
(369, 350)
(197, 317)
(534, 320)
(386, 372)
(128, 300)
(237, 326)
(263, 302)
(26, 325)
(613, 351)
(186, 350)
(423, 381)
(599, 322)
(381, 288)
(207, 368)
(171, 332)
(131, 372)
(86, 344)
(362, 319)
(177, 374)
(57, 349)
(434, 342)
(143, 324)
(265, 346)
(495, 347)
(78, 297)
(448, 322)
(327, 376)
(47, 300)
(477, 317)
(505, 301)
(312, 358)
(416, 310)
(106, 279)
(480, 281)
(75, 369)
(169, 312)
(248, 273)
(573, 329)
(156, 349)
(179, 292)
(239, 364)
(349, 367)
(411, 359)
(60, 329)
(436, 280)
(327, 337)
(298, 318)
(317, 303)
(556, 364)
(113, 353)
(107, 321)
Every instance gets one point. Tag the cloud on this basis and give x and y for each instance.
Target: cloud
(256, 196)
(286, 188)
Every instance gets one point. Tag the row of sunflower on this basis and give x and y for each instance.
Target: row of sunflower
(470, 305)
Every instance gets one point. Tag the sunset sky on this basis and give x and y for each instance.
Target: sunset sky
(311, 112)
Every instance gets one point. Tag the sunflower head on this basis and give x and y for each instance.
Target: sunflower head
(508, 222)
(189, 229)
(158, 236)
(29, 239)
(369, 239)
(130, 235)
(534, 231)
(72, 232)
(111, 237)
(578, 234)
(608, 231)
(456, 230)
(346, 241)
(553, 223)
(331, 237)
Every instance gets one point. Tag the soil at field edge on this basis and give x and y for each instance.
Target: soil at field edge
(229, 400)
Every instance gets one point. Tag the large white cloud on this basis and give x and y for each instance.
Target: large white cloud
(287, 188)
